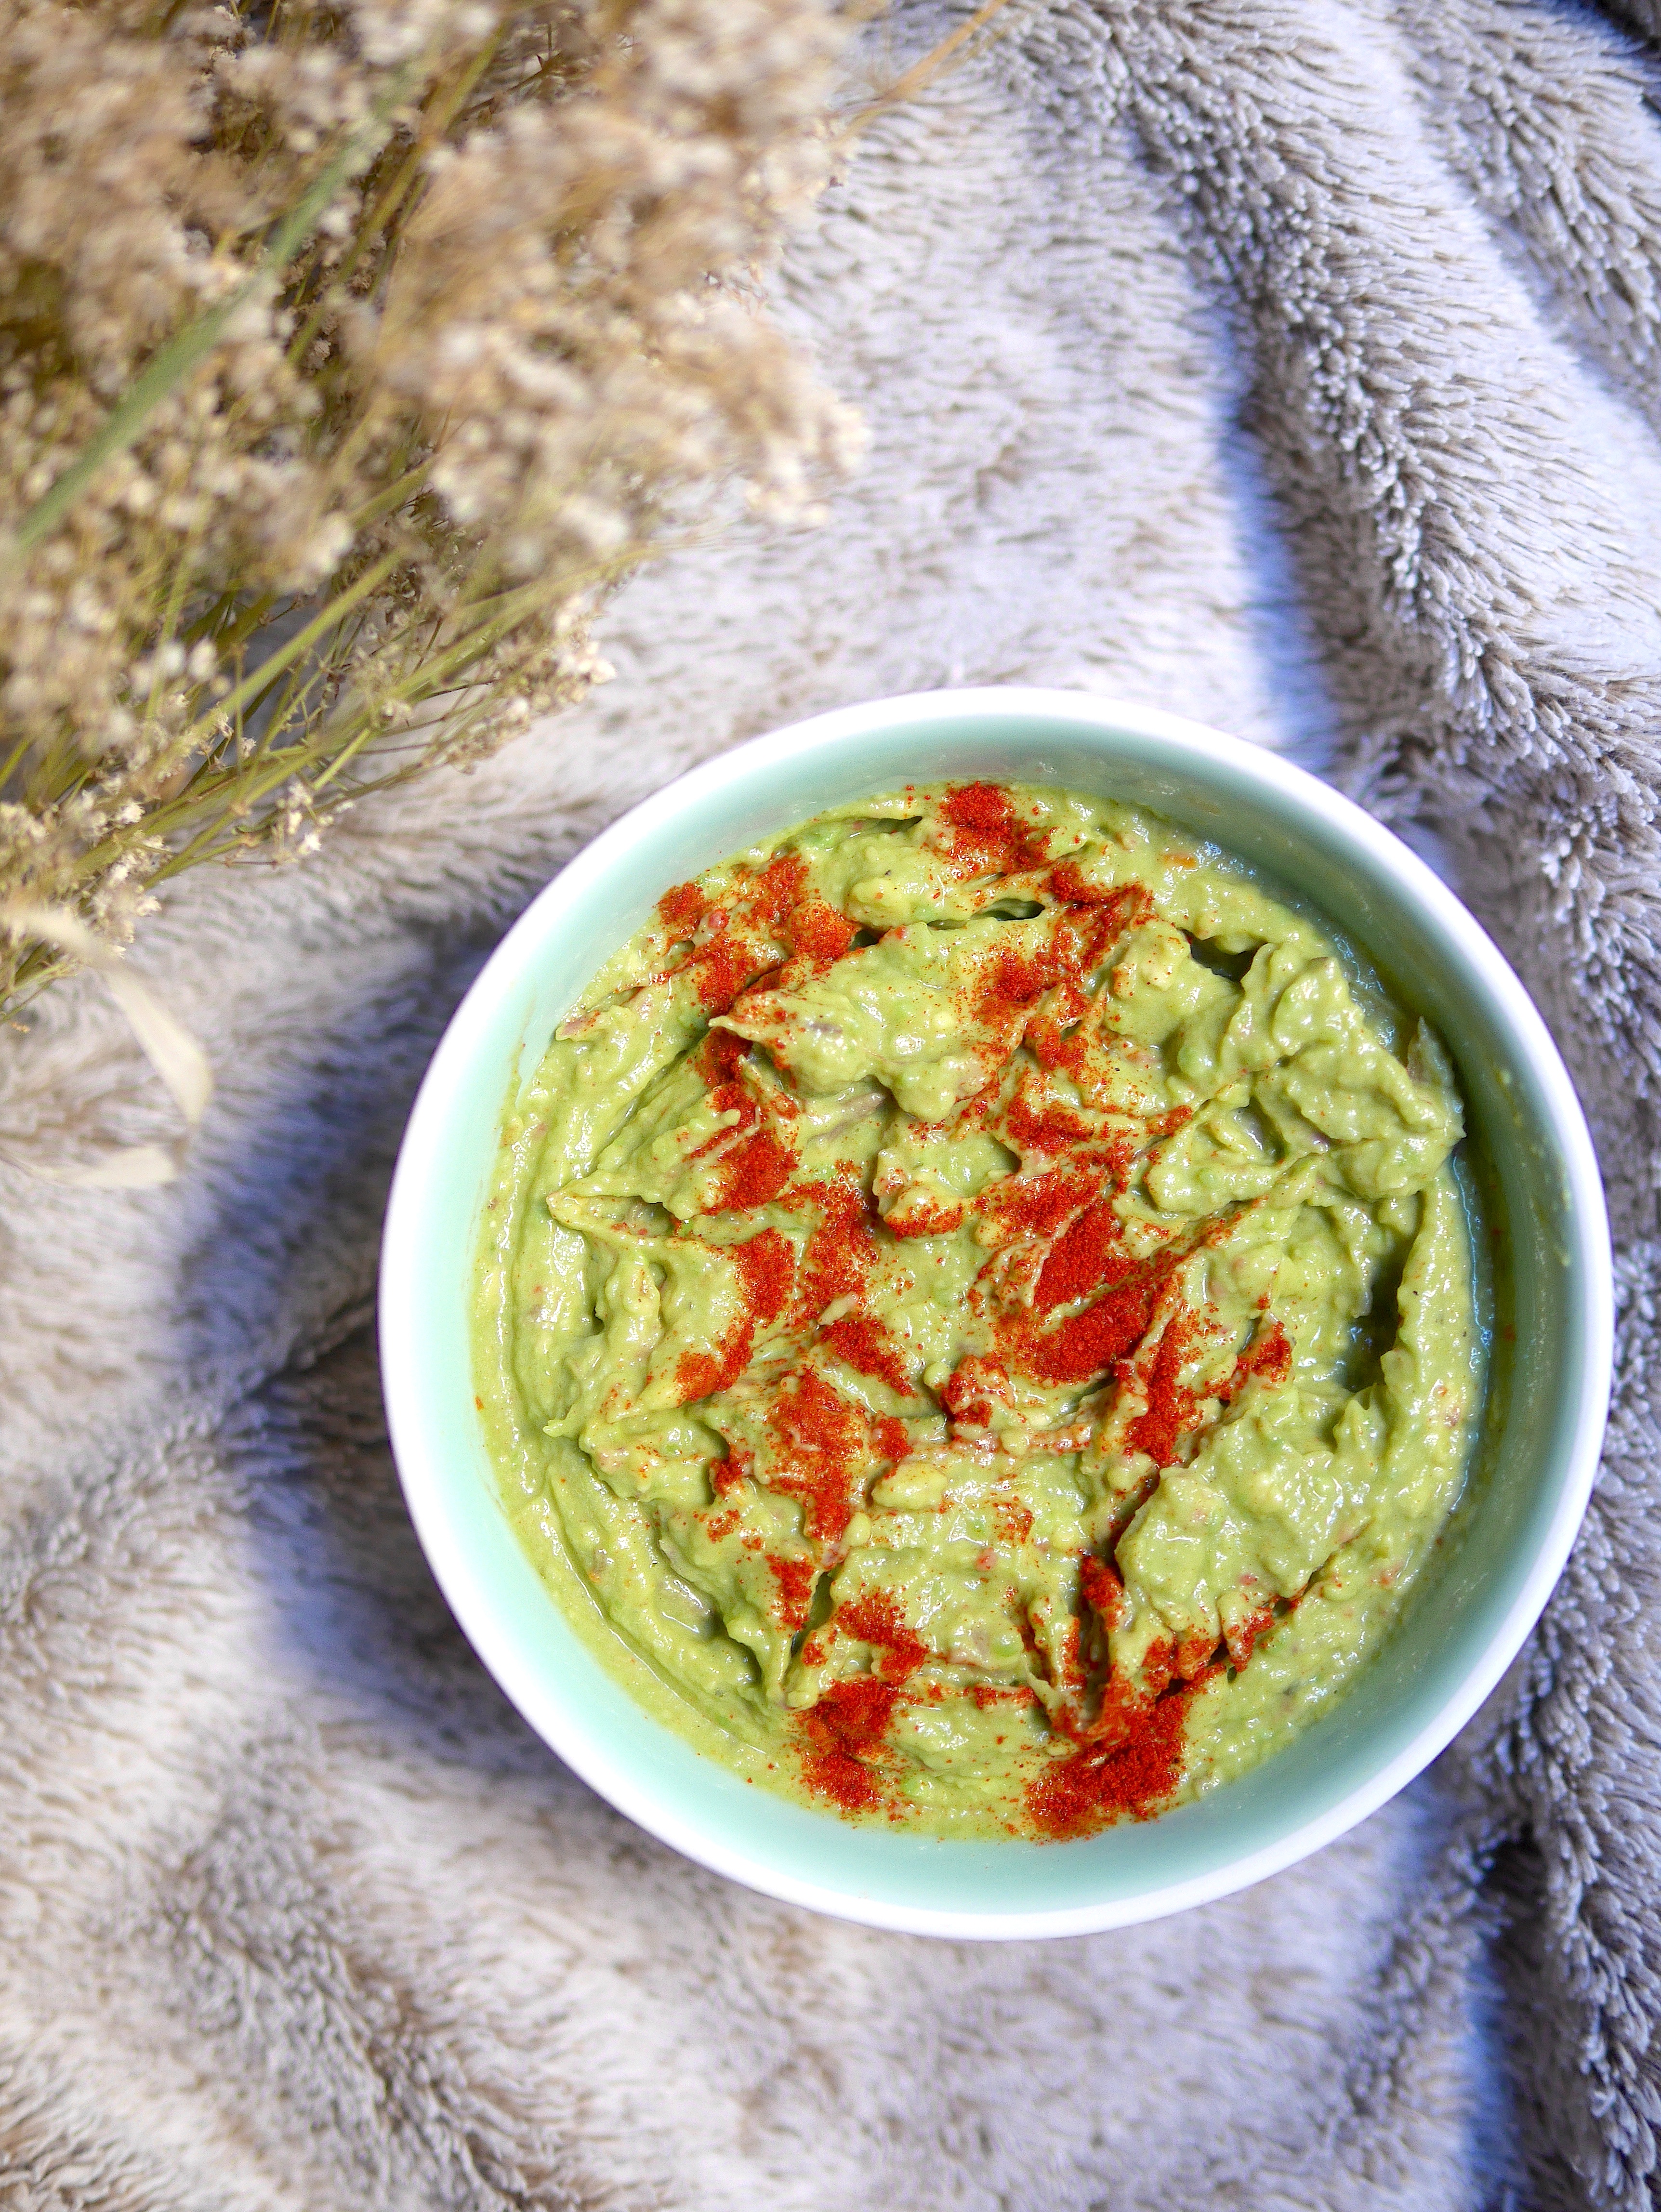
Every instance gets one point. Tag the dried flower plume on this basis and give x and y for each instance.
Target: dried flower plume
(348, 353)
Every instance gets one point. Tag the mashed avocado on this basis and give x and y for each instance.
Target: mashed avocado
(976, 1315)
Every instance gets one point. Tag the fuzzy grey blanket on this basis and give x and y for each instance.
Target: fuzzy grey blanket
(1295, 364)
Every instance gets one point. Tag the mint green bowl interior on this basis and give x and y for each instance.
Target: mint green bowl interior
(1466, 1622)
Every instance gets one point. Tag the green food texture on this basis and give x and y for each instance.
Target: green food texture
(976, 1314)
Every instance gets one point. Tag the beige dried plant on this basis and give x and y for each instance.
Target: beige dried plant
(348, 356)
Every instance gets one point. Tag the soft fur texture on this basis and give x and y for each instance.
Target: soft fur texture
(1291, 363)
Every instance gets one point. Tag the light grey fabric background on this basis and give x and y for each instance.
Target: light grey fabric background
(1290, 363)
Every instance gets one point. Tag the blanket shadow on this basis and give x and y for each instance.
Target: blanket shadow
(282, 1297)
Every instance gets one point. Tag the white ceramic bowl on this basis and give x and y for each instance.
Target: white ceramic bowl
(1468, 1618)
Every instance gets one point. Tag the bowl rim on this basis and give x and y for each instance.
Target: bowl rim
(1193, 747)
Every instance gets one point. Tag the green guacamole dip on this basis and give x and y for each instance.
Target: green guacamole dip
(976, 1316)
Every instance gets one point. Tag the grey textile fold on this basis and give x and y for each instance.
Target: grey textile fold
(1292, 365)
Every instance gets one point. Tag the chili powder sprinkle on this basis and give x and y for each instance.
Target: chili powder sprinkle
(1064, 1299)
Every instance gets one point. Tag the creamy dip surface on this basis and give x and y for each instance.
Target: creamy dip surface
(976, 1316)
